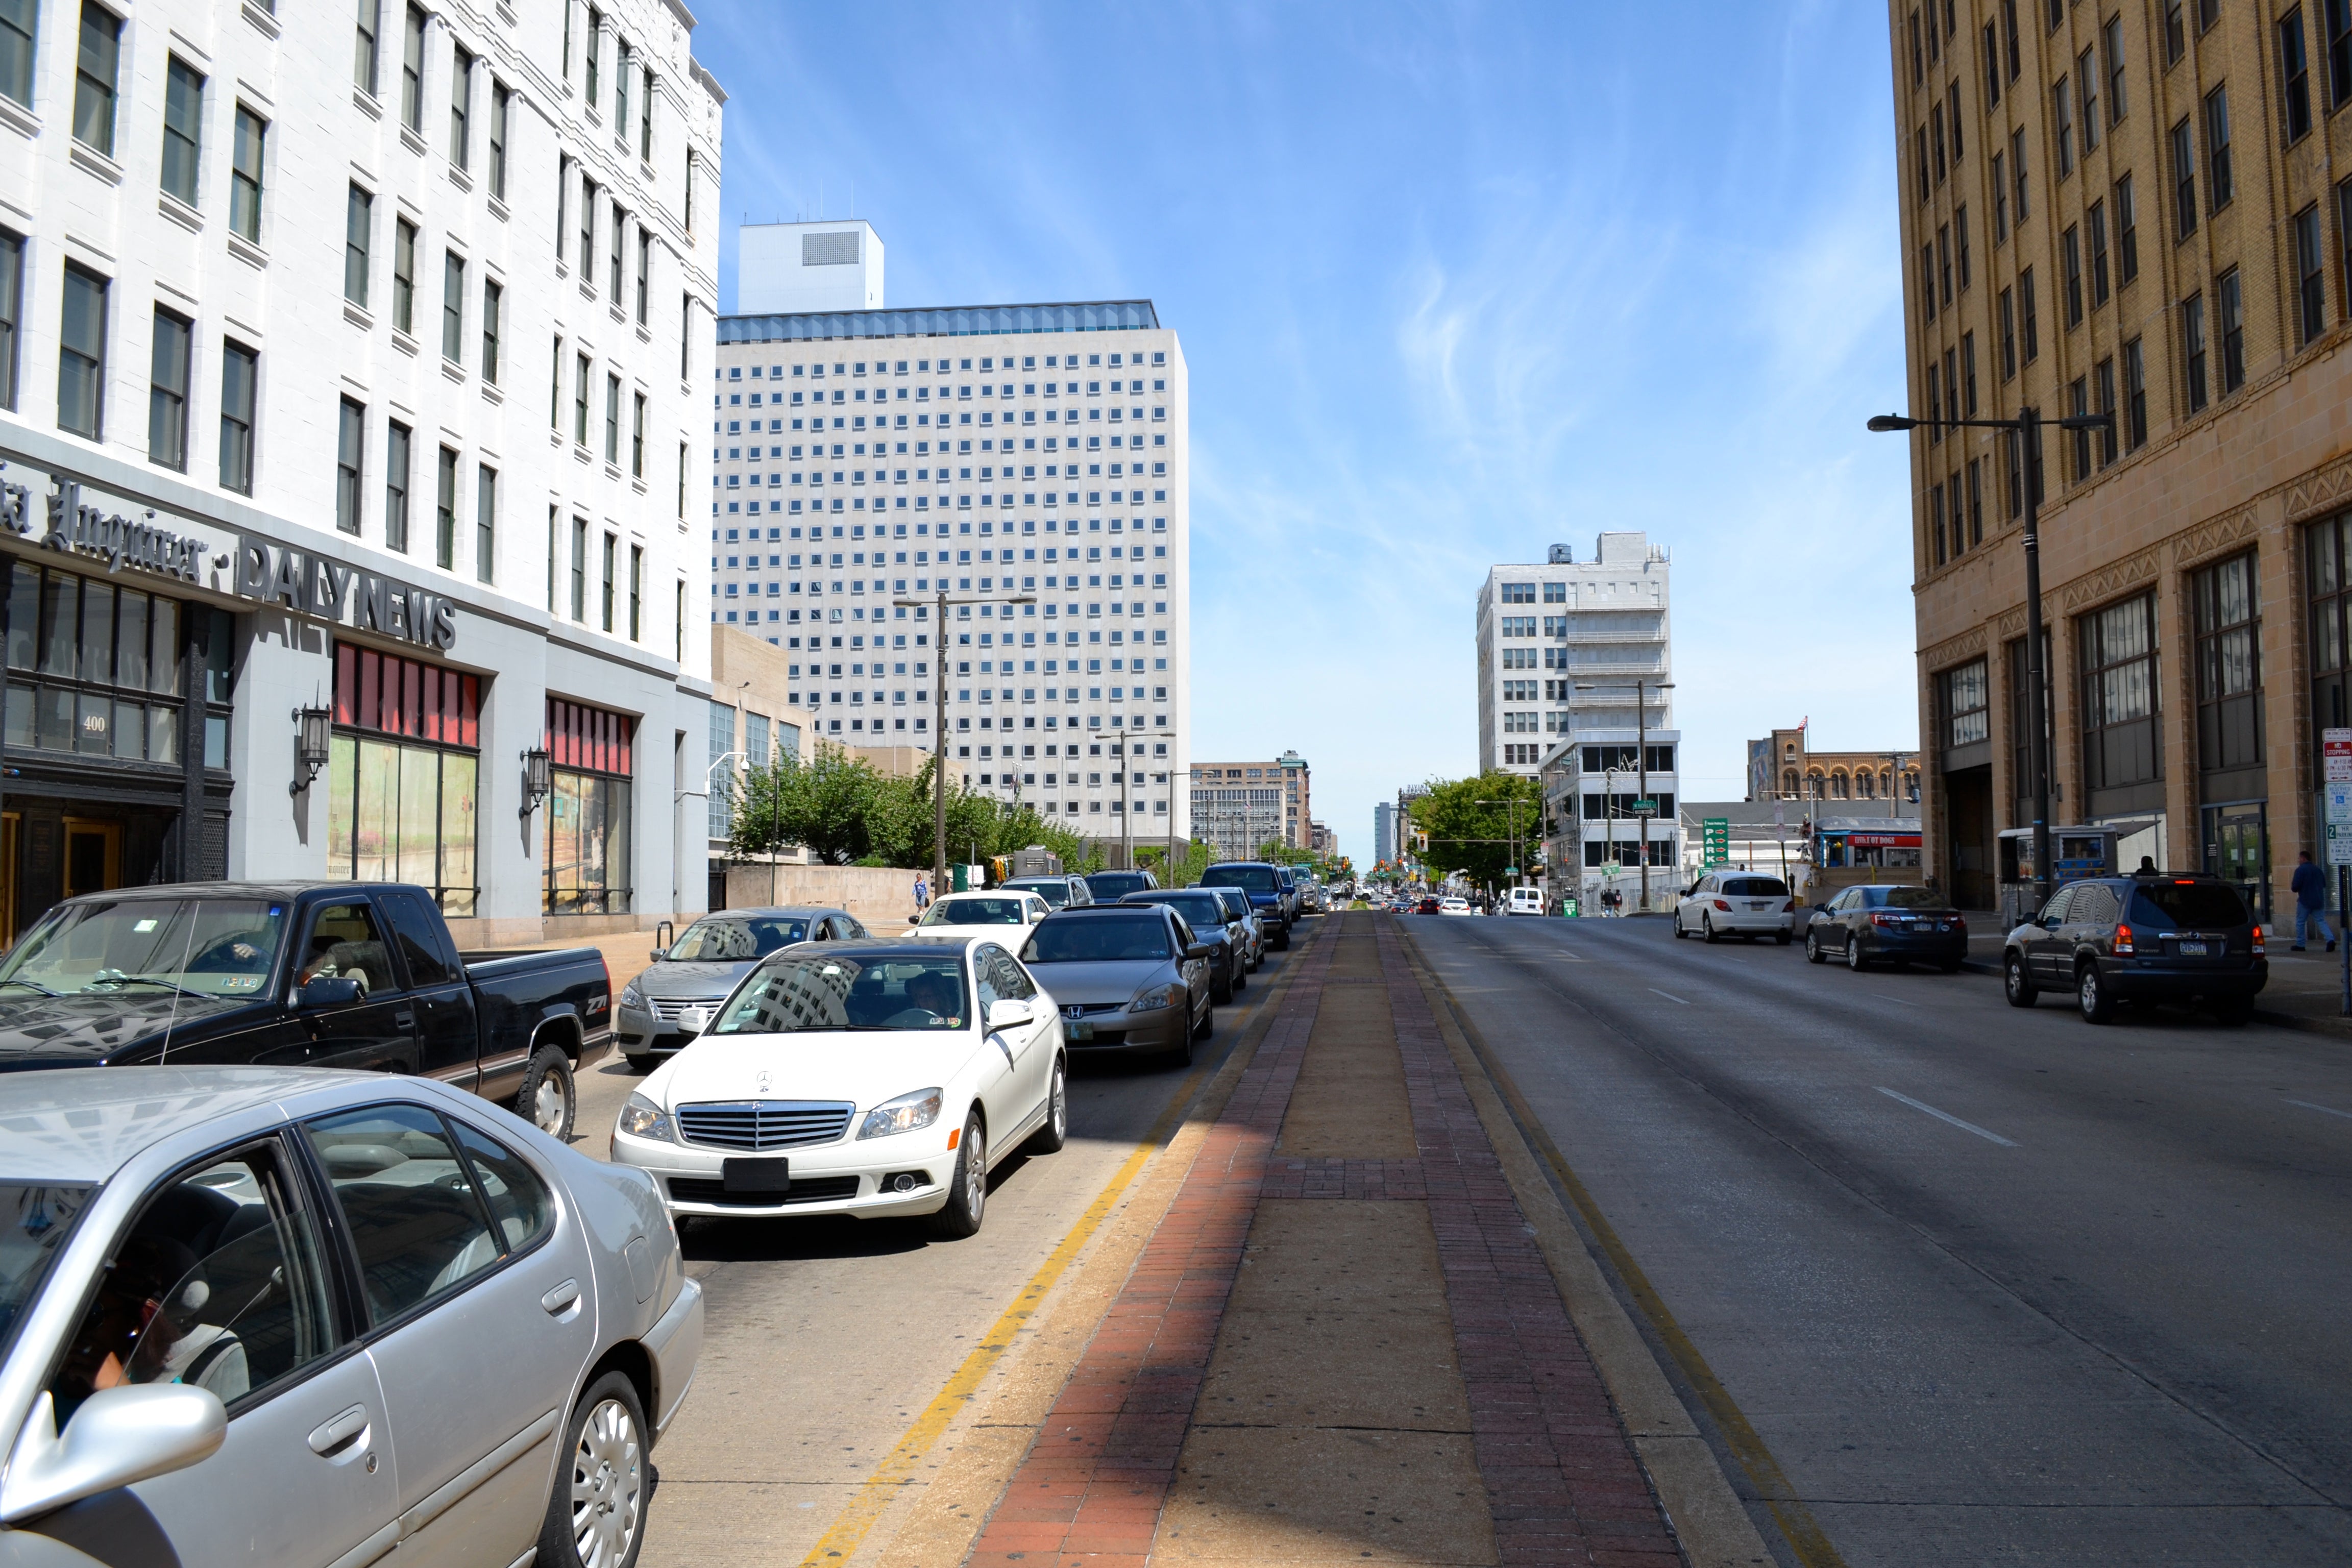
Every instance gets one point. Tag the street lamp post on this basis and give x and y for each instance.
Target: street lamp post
(2027, 427)
(939, 720)
(1640, 761)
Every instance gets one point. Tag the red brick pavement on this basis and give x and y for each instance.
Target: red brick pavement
(1563, 1483)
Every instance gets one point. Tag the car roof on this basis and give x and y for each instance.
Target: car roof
(1096, 912)
(885, 946)
(771, 911)
(80, 1124)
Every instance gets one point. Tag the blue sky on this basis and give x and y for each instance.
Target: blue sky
(1452, 282)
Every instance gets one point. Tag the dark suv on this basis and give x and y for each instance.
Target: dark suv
(2148, 938)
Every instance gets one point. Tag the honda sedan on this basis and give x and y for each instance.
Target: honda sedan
(1128, 978)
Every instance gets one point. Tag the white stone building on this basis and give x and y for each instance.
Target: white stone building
(377, 337)
(1001, 453)
(1543, 630)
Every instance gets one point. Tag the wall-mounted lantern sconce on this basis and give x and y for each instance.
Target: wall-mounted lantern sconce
(536, 785)
(313, 727)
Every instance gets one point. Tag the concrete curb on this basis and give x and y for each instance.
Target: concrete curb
(1709, 1520)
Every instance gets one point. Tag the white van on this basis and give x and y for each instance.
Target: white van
(1526, 901)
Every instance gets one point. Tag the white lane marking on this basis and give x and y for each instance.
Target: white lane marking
(1667, 995)
(1946, 1116)
(2327, 1109)
(1901, 1001)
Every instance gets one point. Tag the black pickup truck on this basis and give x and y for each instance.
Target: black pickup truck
(342, 974)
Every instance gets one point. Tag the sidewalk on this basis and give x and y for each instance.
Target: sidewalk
(1341, 1343)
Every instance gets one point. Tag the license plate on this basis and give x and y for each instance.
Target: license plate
(756, 1175)
(1758, 905)
(1078, 1031)
(2192, 950)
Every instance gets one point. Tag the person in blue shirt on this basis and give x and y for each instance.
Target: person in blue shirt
(2310, 884)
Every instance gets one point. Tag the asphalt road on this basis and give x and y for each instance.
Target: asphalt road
(1992, 1286)
(825, 1338)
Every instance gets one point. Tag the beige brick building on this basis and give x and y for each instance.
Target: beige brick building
(2140, 208)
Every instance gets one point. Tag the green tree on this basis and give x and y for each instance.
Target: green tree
(1184, 870)
(1469, 823)
(825, 802)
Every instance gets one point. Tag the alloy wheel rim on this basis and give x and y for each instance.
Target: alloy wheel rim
(547, 1105)
(975, 1169)
(1061, 1105)
(607, 1486)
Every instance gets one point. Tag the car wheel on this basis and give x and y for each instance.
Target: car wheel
(2091, 996)
(1207, 1026)
(1780, 939)
(2013, 981)
(642, 1063)
(1282, 939)
(1049, 1139)
(1853, 958)
(967, 1187)
(595, 1518)
(1221, 989)
(1706, 930)
(1813, 954)
(1242, 974)
(547, 1099)
(1679, 932)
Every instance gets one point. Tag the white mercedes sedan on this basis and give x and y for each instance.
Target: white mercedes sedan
(877, 1079)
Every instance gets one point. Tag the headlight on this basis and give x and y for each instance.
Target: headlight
(1158, 996)
(632, 999)
(641, 1118)
(908, 1113)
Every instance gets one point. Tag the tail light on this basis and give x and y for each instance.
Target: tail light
(1723, 907)
(2259, 948)
(1959, 922)
(1882, 918)
(2124, 940)
(1789, 907)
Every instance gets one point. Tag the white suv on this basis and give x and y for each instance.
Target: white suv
(1745, 904)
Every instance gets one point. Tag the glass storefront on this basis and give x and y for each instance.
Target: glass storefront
(589, 864)
(94, 667)
(402, 776)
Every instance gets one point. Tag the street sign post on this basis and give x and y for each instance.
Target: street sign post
(1645, 808)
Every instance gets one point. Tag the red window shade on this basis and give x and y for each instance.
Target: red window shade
(590, 738)
(395, 696)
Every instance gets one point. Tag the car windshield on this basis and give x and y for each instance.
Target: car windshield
(1757, 888)
(1199, 909)
(1110, 885)
(35, 1221)
(216, 947)
(825, 992)
(2202, 905)
(737, 937)
(1055, 891)
(1097, 939)
(1254, 878)
(974, 912)
(1900, 899)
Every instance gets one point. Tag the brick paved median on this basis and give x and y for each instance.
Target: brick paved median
(1328, 1358)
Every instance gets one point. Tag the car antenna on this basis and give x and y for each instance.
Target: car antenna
(186, 948)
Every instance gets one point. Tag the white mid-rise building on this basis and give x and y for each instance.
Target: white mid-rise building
(1547, 632)
(349, 363)
(1029, 460)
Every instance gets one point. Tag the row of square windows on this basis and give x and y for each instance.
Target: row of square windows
(946, 368)
(960, 395)
(923, 529)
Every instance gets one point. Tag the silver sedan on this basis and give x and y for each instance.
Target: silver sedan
(282, 1317)
(1129, 979)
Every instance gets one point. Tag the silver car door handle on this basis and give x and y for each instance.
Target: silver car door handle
(560, 1299)
(334, 1433)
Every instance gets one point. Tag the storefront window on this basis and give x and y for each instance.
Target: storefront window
(2228, 680)
(94, 667)
(402, 776)
(2122, 763)
(589, 867)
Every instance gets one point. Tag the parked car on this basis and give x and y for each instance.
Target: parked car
(1211, 923)
(346, 974)
(1453, 906)
(1895, 925)
(1526, 901)
(1744, 904)
(1059, 892)
(1109, 887)
(1237, 902)
(1128, 980)
(2166, 938)
(704, 964)
(1261, 882)
(958, 1059)
(1004, 907)
(273, 1316)
(1292, 907)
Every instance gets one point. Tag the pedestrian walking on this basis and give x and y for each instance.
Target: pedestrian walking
(2310, 884)
(922, 895)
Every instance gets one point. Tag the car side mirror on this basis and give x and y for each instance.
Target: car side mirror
(1009, 1013)
(120, 1436)
(658, 954)
(694, 1020)
(1200, 949)
(328, 990)
(2050, 923)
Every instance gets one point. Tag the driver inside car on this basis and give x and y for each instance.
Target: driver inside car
(933, 1000)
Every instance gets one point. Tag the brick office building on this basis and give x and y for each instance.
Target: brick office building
(2140, 211)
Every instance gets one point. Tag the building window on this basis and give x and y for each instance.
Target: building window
(636, 592)
(595, 54)
(240, 377)
(251, 141)
(453, 307)
(2176, 32)
(2126, 233)
(402, 774)
(2294, 77)
(2017, 173)
(2311, 271)
(2062, 117)
(587, 231)
(494, 297)
(624, 67)
(358, 217)
(646, 119)
(96, 668)
(461, 99)
(2078, 400)
(12, 308)
(1961, 244)
(2219, 186)
(2104, 375)
(444, 510)
(2135, 396)
(501, 102)
(616, 264)
(2327, 546)
(2008, 335)
(1967, 391)
(1999, 199)
(351, 447)
(2229, 671)
(2184, 182)
(2233, 331)
(404, 276)
(363, 48)
(637, 439)
(183, 128)
(2087, 76)
(579, 402)
(612, 554)
(2095, 222)
(486, 523)
(645, 273)
(396, 442)
(613, 419)
(2339, 53)
(17, 25)
(588, 859)
(580, 570)
(1968, 712)
(2192, 342)
(412, 70)
(2111, 39)
(2032, 318)
(81, 353)
(95, 65)
(167, 391)
(2119, 698)
(2069, 248)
